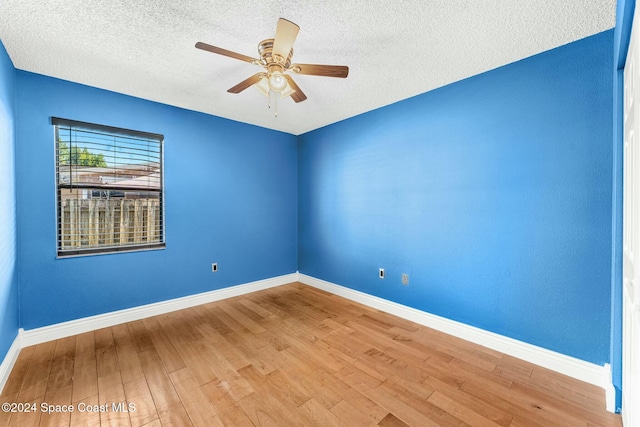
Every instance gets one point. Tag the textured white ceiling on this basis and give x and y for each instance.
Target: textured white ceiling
(394, 49)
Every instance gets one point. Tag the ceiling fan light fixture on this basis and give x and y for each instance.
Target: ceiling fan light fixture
(288, 91)
(263, 86)
(277, 82)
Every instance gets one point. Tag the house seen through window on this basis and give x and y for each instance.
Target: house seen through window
(109, 189)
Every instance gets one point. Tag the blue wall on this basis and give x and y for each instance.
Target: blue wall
(8, 273)
(494, 194)
(230, 194)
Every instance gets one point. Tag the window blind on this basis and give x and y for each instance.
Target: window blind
(109, 188)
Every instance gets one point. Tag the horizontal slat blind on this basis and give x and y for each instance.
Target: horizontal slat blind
(109, 188)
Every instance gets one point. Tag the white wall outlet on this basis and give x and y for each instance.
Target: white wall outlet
(381, 273)
(214, 267)
(405, 279)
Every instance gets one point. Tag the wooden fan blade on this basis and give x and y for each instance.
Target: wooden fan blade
(246, 83)
(341, 71)
(298, 95)
(225, 52)
(286, 33)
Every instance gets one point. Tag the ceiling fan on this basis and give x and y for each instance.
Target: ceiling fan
(275, 57)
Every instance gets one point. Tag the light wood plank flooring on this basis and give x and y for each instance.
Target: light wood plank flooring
(289, 356)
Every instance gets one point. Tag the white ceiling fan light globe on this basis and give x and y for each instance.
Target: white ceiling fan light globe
(277, 82)
(288, 91)
(263, 86)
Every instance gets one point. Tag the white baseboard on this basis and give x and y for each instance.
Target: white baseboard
(92, 323)
(609, 389)
(566, 365)
(10, 359)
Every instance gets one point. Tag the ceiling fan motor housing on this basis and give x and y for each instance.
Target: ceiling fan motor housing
(265, 50)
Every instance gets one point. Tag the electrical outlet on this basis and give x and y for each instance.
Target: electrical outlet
(214, 267)
(381, 273)
(405, 279)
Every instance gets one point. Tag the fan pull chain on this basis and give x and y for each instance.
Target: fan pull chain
(273, 101)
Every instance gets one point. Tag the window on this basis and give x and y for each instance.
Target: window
(109, 189)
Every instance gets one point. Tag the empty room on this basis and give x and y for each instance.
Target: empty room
(319, 213)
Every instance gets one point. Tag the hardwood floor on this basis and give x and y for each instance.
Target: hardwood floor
(288, 356)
